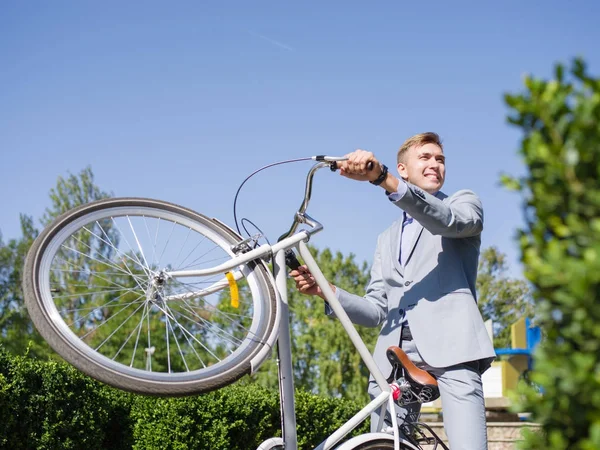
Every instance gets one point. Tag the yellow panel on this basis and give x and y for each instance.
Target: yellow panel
(518, 334)
(511, 372)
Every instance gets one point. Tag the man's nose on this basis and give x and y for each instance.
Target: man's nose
(434, 164)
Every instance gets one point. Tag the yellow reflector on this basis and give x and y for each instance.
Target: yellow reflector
(235, 295)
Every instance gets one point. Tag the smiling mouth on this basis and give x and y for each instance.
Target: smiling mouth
(432, 176)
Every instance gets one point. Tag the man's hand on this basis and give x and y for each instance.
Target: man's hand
(305, 282)
(355, 167)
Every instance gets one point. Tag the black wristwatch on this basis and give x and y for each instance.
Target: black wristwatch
(381, 178)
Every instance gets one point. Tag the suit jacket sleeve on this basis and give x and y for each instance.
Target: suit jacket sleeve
(460, 216)
(370, 310)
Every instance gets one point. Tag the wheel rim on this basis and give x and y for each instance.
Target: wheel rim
(98, 283)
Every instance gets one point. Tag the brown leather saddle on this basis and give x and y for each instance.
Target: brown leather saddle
(416, 385)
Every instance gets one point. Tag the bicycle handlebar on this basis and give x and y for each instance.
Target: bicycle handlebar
(334, 166)
(300, 217)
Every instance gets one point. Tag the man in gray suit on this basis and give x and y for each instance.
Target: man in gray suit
(422, 287)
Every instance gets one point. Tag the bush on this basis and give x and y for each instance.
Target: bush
(234, 418)
(560, 120)
(49, 405)
(318, 417)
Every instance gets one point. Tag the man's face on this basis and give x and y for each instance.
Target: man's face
(424, 167)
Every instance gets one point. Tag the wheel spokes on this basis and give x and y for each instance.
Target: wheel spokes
(106, 286)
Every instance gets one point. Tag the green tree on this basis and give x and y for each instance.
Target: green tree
(71, 192)
(17, 332)
(94, 285)
(500, 298)
(325, 361)
(560, 245)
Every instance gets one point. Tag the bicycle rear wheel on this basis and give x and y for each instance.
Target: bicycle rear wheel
(97, 288)
(374, 441)
(377, 444)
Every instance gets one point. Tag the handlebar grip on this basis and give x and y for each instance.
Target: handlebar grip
(334, 166)
(290, 260)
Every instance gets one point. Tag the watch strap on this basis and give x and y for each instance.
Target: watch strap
(381, 178)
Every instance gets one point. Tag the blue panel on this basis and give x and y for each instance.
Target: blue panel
(512, 351)
(534, 335)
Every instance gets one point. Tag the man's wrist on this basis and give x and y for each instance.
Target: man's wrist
(390, 184)
(382, 175)
(322, 295)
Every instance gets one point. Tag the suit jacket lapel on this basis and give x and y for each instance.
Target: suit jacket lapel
(395, 246)
(419, 230)
(413, 244)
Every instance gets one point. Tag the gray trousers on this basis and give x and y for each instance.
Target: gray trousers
(463, 405)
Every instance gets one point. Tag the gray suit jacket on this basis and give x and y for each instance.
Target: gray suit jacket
(436, 286)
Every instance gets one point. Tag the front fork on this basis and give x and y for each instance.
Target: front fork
(284, 357)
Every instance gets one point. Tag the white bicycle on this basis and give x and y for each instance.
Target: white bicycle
(154, 298)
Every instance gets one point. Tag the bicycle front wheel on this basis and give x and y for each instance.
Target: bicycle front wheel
(97, 287)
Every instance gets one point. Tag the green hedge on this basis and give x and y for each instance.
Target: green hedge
(50, 405)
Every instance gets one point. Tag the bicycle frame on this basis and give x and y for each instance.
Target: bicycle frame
(284, 339)
(281, 331)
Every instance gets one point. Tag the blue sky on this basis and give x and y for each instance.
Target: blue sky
(182, 100)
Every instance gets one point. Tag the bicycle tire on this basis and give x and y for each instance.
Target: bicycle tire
(90, 236)
(272, 444)
(374, 441)
(377, 444)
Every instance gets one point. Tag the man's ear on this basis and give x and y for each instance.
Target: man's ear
(402, 171)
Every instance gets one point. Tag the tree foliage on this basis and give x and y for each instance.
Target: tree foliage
(560, 244)
(325, 360)
(17, 332)
(501, 298)
(72, 191)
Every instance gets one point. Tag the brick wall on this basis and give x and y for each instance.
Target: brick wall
(501, 435)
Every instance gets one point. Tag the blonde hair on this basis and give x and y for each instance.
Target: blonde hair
(419, 140)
